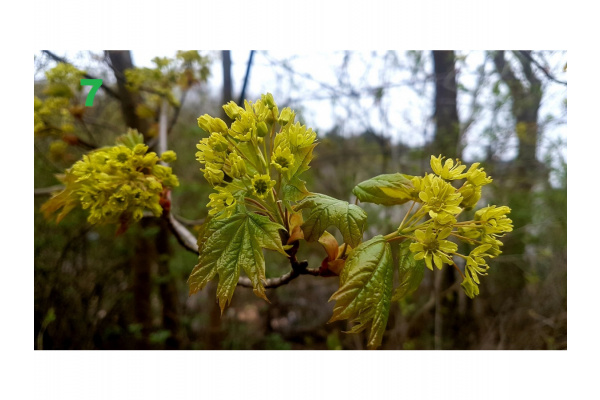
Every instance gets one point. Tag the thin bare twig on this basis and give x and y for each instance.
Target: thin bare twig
(528, 55)
(182, 234)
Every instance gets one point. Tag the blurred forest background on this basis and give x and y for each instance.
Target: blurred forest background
(375, 113)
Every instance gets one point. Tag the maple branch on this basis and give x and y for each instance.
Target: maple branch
(188, 241)
(528, 55)
(182, 234)
(177, 110)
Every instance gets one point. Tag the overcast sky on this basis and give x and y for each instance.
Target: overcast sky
(404, 111)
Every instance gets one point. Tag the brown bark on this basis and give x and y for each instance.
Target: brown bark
(447, 128)
(447, 321)
(120, 61)
(227, 84)
(142, 284)
(525, 107)
(167, 288)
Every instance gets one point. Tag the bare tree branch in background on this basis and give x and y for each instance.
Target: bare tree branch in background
(527, 54)
(246, 77)
(108, 90)
(475, 106)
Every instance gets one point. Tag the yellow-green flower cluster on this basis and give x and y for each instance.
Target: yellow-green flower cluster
(63, 80)
(254, 120)
(221, 201)
(440, 204)
(116, 184)
(185, 70)
(246, 158)
(213, 151)
(53, 115)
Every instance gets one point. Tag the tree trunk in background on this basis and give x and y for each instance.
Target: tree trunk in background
(142, 261)
(447, 324)
(447, 128)
(167, 288)
(525, 170)
(227, 85)
(142, 283)
(120, 61)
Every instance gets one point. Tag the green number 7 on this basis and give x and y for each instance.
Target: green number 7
(95, 84)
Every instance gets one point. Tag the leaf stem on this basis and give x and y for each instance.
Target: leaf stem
(260, 206)
(458, 269)
(267, 155)
(466, 238)
(284, 223)
(405, 216)
(400, 237)
(418, 213)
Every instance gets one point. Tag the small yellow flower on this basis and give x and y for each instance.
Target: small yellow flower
(213, 175)
(282, 159)
(244, 127)
(494, 219)
(448, 171)
(286, 116)
(120, 155)
(300, 136)
(168, 156)
(432, 246)
(210, 124)
(262, 185)
(471, 195)
(217, 142)
(476, 264)
(268, 100)
(441, 221)
(477, 176)
(470, 288)
(221, 201)
(208, 155)
(140, 149)
(232, 110)
(494, 250)
(439, 196)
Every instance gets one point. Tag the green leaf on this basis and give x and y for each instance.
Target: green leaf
(386, 189)
(229, 245)
(294, 188)
(410, 271)
(365, 292)
(325, 211)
